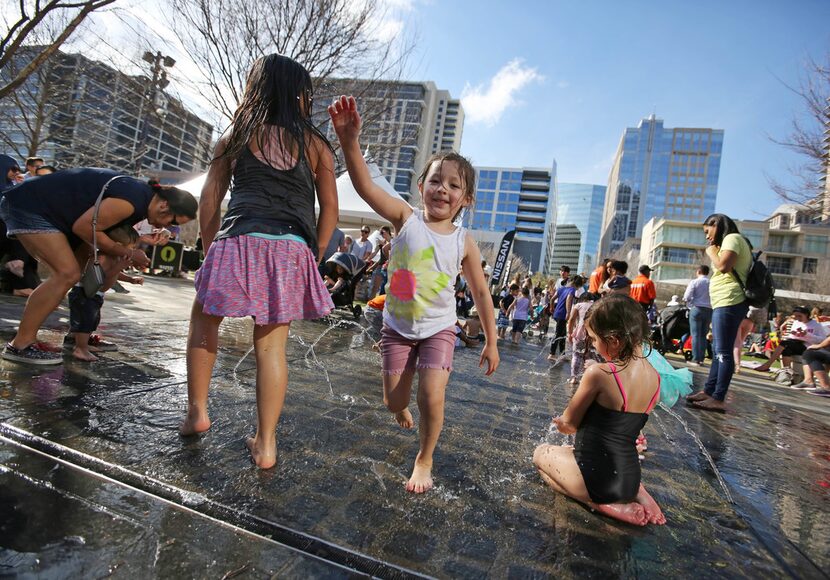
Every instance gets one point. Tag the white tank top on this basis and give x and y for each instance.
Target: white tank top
(423, 264)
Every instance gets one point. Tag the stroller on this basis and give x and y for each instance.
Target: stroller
(355, 268)
(674, 326)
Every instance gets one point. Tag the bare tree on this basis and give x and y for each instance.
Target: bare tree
(806, 138)
(22, 26)
(329, 37)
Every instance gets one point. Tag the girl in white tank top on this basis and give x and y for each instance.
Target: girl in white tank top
(428, 253)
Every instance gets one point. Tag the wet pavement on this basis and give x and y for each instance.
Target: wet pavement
(95, 481)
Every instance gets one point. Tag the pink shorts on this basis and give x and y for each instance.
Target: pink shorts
(400, 354)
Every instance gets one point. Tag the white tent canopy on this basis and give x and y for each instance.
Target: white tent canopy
(354, 212)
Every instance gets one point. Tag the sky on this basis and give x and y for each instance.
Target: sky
(545, 80)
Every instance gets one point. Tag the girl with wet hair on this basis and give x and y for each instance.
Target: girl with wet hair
(607, 412)
(261, 261)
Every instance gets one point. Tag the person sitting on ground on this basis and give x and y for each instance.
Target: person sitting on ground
(607, 412)
(803, 333)
(816, 357)
(85, 313)
(472, 325)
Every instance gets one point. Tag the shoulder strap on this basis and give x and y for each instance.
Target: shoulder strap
(656, 394)
(95, 218)
(619, 385)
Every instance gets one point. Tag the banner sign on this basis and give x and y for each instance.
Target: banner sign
(501, 257)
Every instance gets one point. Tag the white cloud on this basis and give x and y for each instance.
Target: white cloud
(487, 104)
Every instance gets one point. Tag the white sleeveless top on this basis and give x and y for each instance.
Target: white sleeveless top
(423, 264)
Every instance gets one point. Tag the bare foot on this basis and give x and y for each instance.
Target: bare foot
(194, 423)
(653, 511)
(83, 355)
(421, 479)
(262, 454)
(404, 419)
(630, 513)
(710, 405)
(701, 396)
(22, 292)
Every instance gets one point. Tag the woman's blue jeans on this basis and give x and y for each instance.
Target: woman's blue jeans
(699, 320)
(725, 323)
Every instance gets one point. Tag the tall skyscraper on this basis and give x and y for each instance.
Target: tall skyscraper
(75, 111)
(405, 123)
(660, 172)
(579, 209)
(516, 198)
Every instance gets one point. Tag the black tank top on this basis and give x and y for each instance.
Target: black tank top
(271, 201)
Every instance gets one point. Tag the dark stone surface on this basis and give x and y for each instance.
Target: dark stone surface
(343, 463)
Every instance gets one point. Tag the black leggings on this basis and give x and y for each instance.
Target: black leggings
(816, 358)
(558, 343)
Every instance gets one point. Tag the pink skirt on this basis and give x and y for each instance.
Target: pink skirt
(275, 281)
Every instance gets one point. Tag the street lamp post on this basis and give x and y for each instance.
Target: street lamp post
(158, 83)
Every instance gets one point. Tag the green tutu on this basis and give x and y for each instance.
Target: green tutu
(674, 383)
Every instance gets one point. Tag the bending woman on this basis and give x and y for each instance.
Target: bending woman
(52, 218)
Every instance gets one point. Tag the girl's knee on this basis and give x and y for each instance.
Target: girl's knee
(541, 453)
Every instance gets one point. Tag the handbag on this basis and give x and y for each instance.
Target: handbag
(92, 280)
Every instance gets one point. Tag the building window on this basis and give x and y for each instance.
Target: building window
(809, 266)
(779, 265)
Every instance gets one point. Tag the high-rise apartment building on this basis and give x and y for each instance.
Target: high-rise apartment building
(579, 209)
(520, 199)
(660, 172)
(75, 111)
(404, 123)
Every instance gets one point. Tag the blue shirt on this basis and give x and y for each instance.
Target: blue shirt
(697, 293)
(561, 310)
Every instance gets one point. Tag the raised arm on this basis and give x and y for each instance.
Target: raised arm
(213, 192)
(471, 268)
(346, 122)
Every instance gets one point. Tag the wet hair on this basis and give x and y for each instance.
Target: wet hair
(577, 281)
(619, 316)
(278, 92)
(723, 225)
(123, 234)
(703, 269)
(181, 202)
(465, 171)
(620, 266)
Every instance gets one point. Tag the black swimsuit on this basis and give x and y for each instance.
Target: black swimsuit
(605, 449)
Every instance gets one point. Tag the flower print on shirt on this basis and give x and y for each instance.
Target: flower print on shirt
(414, 283)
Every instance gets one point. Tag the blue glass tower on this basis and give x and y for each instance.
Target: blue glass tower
(579, 209)
(660, 172)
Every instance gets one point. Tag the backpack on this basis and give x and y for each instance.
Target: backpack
(759, 288)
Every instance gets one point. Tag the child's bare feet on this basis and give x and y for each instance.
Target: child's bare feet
(83, 354)
(404, 419)
(421, 479)
(630, 513)
(264, 455)
(194, 423)
(653, 511)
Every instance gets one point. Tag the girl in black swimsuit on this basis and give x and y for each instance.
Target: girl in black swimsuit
(602, 470)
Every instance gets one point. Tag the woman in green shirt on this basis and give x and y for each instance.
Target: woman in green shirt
(731, 255)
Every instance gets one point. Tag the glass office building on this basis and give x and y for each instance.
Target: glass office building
(520, 199)
(579, 209)
(660, 172)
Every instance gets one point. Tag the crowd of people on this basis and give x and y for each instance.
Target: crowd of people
(263, 260)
